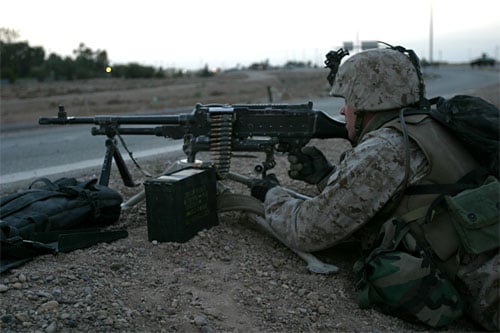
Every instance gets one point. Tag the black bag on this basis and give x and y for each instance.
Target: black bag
(51, 217)
(476, 123)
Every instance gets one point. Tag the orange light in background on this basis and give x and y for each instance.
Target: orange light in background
(108, 69)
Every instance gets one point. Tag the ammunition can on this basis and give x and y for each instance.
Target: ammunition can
(180, 204)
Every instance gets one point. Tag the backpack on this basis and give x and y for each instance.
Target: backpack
(473, 203)
(402, 275)
(476, 123)
(59, 216)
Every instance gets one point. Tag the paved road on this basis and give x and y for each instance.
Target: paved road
(48, 150)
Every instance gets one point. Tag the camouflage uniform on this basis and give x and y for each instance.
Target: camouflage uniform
(371, 175)
(365, 180)
(479, 281)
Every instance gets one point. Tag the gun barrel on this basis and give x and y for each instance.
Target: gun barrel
(65, 120)
(180, 119)
(326, 127)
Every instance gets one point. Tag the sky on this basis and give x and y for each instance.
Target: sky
(231, 33)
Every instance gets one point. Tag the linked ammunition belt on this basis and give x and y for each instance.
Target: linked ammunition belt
(221, 130)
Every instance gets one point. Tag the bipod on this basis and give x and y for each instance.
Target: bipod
(112, 152)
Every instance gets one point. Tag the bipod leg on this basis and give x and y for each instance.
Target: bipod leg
(122, 168)
(112, 152)
(106, 164)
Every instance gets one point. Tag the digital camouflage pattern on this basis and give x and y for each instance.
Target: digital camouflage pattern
(365, 180)
(479, 283)
(375, 80)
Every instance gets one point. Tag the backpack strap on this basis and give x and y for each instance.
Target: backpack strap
(48, 184)
(472, 179)
(18, 201)
(23, 200)
(17, 251)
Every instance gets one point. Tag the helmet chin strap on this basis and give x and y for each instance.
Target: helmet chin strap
(358, 125)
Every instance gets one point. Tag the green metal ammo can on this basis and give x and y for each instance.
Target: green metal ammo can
(180, 204)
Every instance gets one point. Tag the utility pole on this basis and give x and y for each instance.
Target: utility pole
(431, 37)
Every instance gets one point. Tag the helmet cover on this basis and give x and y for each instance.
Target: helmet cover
(376, 80)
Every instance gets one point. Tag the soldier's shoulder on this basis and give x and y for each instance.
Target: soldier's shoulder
(384, 138)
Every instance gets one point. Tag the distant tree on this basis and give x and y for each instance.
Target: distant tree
(89, 63)
(159, 73)
(205, 72)
(264, 65)
(101, 60)
(19, 59)
(8, 35)
(135, 70)
(56, 67)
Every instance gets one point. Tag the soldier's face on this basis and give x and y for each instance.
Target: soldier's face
(350, 118)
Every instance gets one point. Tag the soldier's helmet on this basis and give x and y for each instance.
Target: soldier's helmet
(377, 80)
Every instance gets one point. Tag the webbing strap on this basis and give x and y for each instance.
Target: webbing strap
(234, 201)
(472, 179)
(25, 199)
(415, 214)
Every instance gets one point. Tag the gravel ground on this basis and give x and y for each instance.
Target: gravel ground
(230, 278)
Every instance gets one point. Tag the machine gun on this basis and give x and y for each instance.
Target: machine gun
(220, 129)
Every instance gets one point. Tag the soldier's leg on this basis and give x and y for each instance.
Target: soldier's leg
(479, 281)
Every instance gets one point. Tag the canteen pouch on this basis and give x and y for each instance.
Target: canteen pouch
(475, 215)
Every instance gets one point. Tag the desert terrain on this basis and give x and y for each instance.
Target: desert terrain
(230, 278)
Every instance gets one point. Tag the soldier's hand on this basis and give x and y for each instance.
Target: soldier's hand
(259, 187)
(310, 165)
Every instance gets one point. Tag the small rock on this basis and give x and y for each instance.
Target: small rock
(115, 266)
(43, 294)
(22, 316)
(200, 320)
(51, 328)
(3, 288)
(17, 285)
(206, 329)
(56, 292)
(65, 315)
(7, 318)
(47, 306)
(312, 296)
(170, 311)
